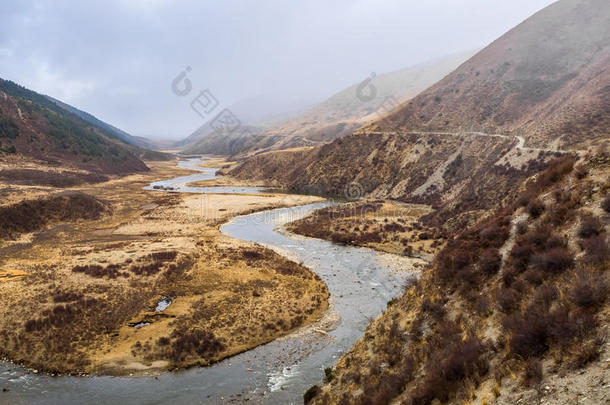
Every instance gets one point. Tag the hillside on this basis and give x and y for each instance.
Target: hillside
(339, 115)
(144, 148)
(346, 111)
(255, 113)
(461, 173)
(547, 80)
(34, 128)
(119, 133)
(512, 310)
(224, 142)
(461, 176)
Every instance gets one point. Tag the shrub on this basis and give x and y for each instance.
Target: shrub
(450, 261)
(556, 260)
(434, 308)
(587, 352)
(545, 295)
(536, 237)
(555, 241)
(493, 235)
(534, 276)
(533, 373)
(589, 226)
(588, 292)
(529, 333)
(311, 393)
(508, 300)
(597, 250)
(520, 255)
(328, 375)
(454, 364)
(66, 297)
(163, 341)
(197, 342)
(490, 261)
(163, 256)
(606, 203)
(535, 208)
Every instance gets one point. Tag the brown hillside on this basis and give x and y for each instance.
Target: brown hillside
(339, 115)
(459, 175)
(547, 79)
(537, 91)
(512, 310)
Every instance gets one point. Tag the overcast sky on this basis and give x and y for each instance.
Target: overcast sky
(117, 58)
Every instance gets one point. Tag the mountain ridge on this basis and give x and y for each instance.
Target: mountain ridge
(35, 127)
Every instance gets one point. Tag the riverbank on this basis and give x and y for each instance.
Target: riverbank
(84, 286)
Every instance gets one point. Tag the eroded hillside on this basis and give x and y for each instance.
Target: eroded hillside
(460, 174)
(512, 310)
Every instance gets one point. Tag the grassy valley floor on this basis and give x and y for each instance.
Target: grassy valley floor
(73, 288)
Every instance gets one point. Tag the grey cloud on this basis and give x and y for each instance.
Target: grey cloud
(117, 58)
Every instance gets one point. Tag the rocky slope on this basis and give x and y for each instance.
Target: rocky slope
(35, 129)
(513, 310)
(459, 175)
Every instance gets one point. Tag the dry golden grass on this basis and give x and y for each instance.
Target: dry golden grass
(69, 293)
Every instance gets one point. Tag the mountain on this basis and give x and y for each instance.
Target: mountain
(339, 115)
(36, 128)
(136, 141)
(229, 143)
(144, 148)
(361, 103)
(545, 83)
(259, 112)
(547, 80)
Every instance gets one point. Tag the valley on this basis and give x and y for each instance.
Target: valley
(79, 285)
(134, 345)
(436, 234)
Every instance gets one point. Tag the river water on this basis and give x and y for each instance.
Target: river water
(275, 373)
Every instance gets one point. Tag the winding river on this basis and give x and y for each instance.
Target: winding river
(275, 373)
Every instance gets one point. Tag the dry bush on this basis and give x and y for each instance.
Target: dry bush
(50, 178)
(606, 203)
(534, 276)
(589, 226)
(529, 333)
(508, 300)
(544, 296)
(95, 270)
(34, 215)
(589, 290)
(597, 250)
(533, 373)
(535, 208)
(494, 235)
(433, 308)
(59, 296)
(555, 260)
(490, 261)
(449, 368)
(163, 256)
(311, 393)
(587, 352)
(196, 342)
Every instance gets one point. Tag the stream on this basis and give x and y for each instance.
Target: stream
(278, 372)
